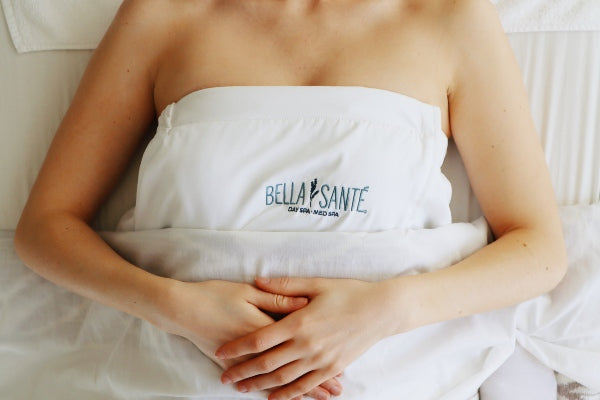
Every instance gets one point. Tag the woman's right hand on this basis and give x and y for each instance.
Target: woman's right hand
(212, 313)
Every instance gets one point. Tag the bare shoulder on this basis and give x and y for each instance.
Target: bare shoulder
(148, 12)
(457, 15)
(471, 25)
(148, 19)
(469, 14)
(477, 43)
(155, 24)
(140, 15)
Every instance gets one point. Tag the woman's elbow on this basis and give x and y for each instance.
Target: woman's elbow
(556, 262)
(25, 235)
(33, 235)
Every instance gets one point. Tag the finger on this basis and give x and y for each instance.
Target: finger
(299, 387)
(260, 365)
(256, 342)
(280, 377)
(277, 303)
(288, 374)
(289, 286)
(333, 386)
(319, 393)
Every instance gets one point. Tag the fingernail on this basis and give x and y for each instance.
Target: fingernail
(242, 388)
(336, 390)
(226, 380)
(263, 280)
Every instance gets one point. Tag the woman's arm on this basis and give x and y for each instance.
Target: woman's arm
(494, 132)
(112, 109)
(493, 129)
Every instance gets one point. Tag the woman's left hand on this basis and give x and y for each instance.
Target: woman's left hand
(343, 319)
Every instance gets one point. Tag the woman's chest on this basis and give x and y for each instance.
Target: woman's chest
(232, 49)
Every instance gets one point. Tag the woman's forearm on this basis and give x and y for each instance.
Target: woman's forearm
(518, 266)
(65, 250)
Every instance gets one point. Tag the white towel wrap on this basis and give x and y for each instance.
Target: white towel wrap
(294, 158)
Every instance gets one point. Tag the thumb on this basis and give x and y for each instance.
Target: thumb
(289, 286)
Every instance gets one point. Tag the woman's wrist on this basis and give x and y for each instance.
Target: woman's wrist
(390, 298)
(398, 300)
(162, 307)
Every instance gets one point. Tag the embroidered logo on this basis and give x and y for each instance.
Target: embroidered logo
(313, 190)
(329, 200)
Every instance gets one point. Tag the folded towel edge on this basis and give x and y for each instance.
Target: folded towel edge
(11, 22)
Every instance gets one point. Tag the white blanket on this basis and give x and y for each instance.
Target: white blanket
(58, 24)
(78, 24)
(549, 15)
(56, 345)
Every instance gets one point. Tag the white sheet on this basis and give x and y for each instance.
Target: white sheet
(57, 345)
(549, 15)
(558, 329)
(562, 76)
(81, 346)
(460, 354)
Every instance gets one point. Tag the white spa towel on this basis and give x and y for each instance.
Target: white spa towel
(549, 15)
(79, 24)
(58, 24)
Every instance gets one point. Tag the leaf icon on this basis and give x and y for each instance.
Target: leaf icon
(313, 190)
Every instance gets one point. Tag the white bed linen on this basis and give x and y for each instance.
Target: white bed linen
(57, 345)
(459, 354)
(65, 344)
(562, 76)
(549, 15)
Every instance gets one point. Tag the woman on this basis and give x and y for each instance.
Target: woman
(450, 54)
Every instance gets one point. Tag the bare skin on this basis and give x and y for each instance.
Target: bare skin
(383, 44)
(452, 54)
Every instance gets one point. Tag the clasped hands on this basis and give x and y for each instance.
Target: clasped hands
(328, 323)
(331, 324)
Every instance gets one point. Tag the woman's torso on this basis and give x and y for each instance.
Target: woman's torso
(395, 45)
(388, 45)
